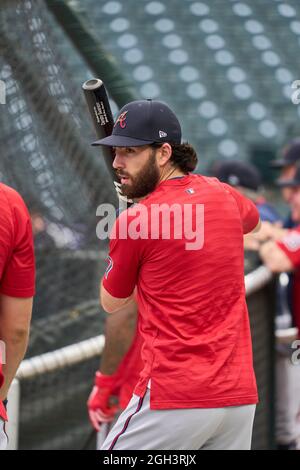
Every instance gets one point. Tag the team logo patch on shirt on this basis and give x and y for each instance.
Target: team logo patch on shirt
(190, 191)
(109, 266)
(292, 241)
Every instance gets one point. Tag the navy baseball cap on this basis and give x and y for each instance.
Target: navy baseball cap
(238, 173)
(292, 182)
(143, 122)
(289, 155)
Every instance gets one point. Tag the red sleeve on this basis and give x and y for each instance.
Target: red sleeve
(18, 275)
(290, 244)
(248, 210)
(121, 273)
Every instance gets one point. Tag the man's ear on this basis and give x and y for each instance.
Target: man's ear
(164, 154)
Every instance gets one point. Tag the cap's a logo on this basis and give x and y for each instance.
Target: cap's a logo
(122, 120)
(162, 134)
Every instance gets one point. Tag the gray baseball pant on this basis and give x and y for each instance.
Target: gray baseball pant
(3, 436)
(140, 428)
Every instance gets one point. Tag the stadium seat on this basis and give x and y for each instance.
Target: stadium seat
(224, 70)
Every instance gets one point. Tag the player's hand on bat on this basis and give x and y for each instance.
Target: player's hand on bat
(101, 409)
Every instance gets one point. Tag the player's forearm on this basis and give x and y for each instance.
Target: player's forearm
(119, 333)
(15, 349)
(274, 258)
(278, 233)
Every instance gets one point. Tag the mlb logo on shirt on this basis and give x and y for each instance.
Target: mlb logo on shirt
(190, 191)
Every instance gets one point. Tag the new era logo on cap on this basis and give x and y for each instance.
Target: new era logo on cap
(162, 134)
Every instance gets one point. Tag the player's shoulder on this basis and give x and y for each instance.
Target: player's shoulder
(7, 193)
(212, 182)
(12, 205)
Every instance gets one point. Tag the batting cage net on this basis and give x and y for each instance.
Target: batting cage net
(46, 155)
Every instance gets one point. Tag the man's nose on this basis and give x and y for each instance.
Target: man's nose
(118, 161)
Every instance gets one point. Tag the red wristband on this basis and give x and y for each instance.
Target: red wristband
(102, 380)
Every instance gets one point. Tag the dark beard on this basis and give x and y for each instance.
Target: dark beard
(144, 182)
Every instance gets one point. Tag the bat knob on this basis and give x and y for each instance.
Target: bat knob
(92, 84)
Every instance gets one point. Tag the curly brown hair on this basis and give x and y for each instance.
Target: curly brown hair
(183, 156)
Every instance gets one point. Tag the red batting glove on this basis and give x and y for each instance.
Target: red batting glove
(99, 408)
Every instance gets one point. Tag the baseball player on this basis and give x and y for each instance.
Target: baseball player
(246, 178)
(287, 164)
(281, 253)
(178, 255)
(17, 279)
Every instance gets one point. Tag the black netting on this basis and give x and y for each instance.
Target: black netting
(53, 414)
(45, 155)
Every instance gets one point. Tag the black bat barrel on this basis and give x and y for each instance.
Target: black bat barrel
(100, 111)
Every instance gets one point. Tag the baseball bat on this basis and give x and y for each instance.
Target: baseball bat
(98, 104)
(99, 108)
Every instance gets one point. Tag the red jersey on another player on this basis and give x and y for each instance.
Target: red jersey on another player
(17, 268)
(290, 244)
(129, 371)
(193, 315)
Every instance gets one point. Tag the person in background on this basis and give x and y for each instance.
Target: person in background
(17, 287)
(280, 252)
(287, 165)
(49, 233)
(246, 178)
(42, 239)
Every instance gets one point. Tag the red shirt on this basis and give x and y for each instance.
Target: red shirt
(290, 244)
(17, 268)
(193, 316)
